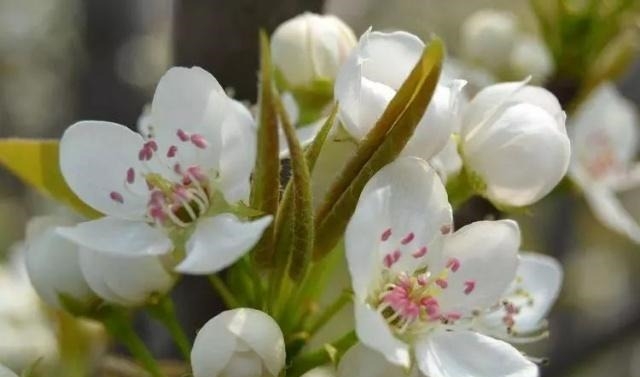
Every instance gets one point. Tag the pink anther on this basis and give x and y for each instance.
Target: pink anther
(469, 286)
(131, 175)
(408, 238)
(183, 136)
(116, 197)
(453, 264)
(442, 283)
(420, 253)
(386, 234)
(171, 152)
(199, 141)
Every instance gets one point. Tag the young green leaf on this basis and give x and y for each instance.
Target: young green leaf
(35, 162)
(302, 214)
(266, 178)
(381, 145)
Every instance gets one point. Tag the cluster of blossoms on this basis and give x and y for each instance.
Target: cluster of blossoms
(429, 298)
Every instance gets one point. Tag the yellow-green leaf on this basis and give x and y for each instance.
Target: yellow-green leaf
(265, 187)
(35, 162)
(381, 145)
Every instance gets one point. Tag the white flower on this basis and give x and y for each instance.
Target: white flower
(310, 48)
(27, 334)
(514, 143)
(158, 193)
(239, 343)
(604, 135)
(5, 372)
(530, 56)
(53, 263)
(369, 79)
(321, 372)
(488, 36)
(418, 286)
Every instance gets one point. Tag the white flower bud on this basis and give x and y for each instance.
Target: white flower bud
(53, 264)
(310, 48)
(514, 143)
(239, 343)
(488, 36)
(530, 56)
(127, 281)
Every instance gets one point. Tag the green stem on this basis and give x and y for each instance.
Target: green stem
(330, 312)
(119, 326)
(224, 292)
(165, 313)
(322, 356)
(459, 189)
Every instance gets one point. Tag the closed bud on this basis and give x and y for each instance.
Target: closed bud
(53, 264)
(487, 38)
(309, 48)
(122, 280)
(514, 143)
(530, 56)
(239, 343)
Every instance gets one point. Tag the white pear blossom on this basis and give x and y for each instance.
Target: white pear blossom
(27, 333)
(514, 143)
(310, 48)
(58, 266)
(173, 190)
(488, 36)
(604, 134)
(419, 287)
(6, 372)
(53, 263)
(530, 56)
(239, 343)
(369, 79)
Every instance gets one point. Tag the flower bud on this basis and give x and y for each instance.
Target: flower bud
(487, 38)
(531, 57)
(309, 48)
(514, 143)
(239, 343)
(53, 264)
(126, 281)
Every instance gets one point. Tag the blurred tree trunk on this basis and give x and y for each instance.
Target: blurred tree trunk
(222, 36)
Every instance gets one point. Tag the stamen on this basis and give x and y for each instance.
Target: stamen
(469, 286)
(445, 229)
(388, 261)
(177, 169)
(386, 234)
(171, 153)
(396, 256)
(116, 197)
(183, 136)
(199, 141)
(131, 176)
(453, 264)
(152, 145)
(420, 253)
(442, 283)
(408, 238)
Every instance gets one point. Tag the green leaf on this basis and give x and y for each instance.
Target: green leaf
(302, 209)
(35, 162)
(265, 186)
(381, 145)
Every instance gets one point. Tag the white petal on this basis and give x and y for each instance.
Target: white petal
(213, 347)
(465, 353)
(305, 134)
(244, 364)
(238, 155)
(390, 57)
(117, 236)
(190, 99)
(521, 156)
(374, 332)
(536, 288)
(94, 159)
(407, 197)
(124, 280)
(361, 361)
(434, 130)
(448, 161)
(604, 129)
(53, 266)
(325, 371)
(261, 333)
(6, 372)
(488, 256)
(372, 100)
(488, 100)
(609, 211)
(219, 241)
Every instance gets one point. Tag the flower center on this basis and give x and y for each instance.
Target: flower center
(178, 194)
(409, 300)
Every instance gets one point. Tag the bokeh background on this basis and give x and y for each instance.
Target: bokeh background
(66, 60)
